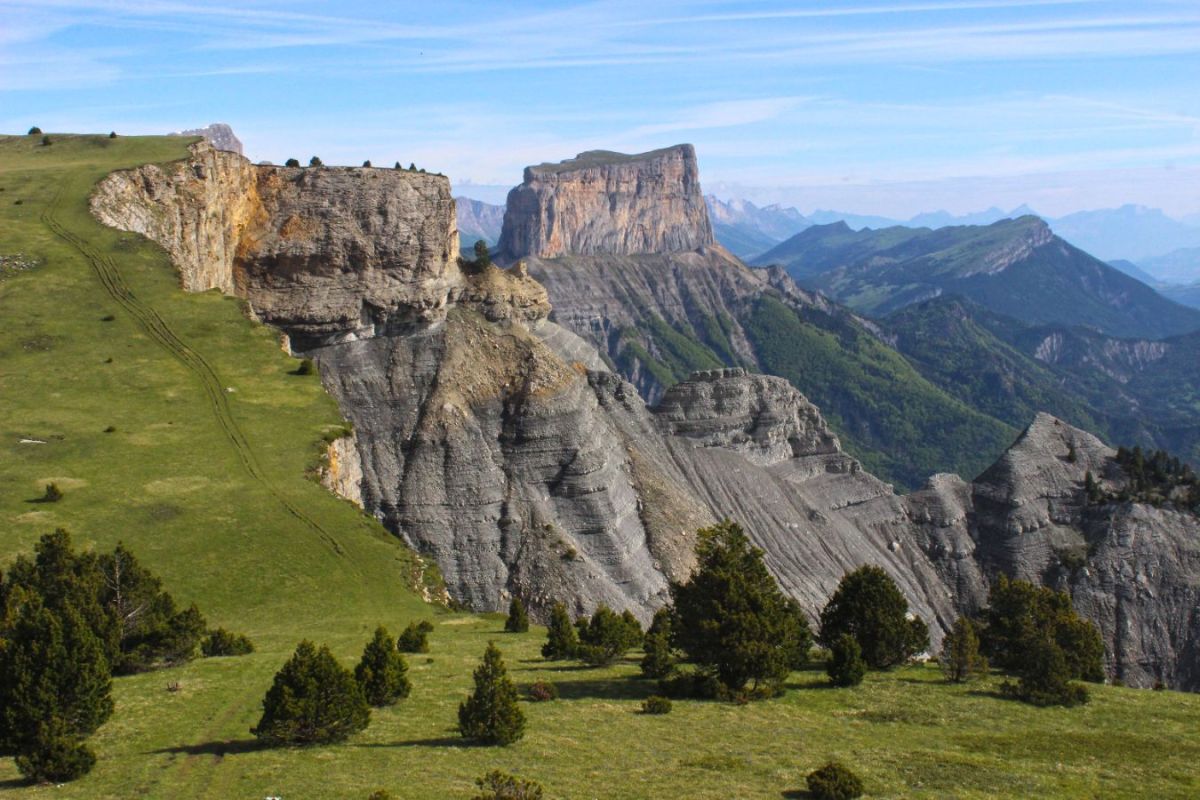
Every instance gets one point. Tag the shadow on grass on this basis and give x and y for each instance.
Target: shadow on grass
(797, 794)
(627, 688)
(437, 741)
(15, 783)
(224, 748)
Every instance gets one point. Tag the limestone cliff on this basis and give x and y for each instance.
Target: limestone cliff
(608, 203)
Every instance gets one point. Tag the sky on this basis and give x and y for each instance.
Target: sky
(870, 106)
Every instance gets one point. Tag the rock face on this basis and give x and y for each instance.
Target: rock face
(219, 135)
(496, 441)
(478, 220)
(608, 203)
(1132, 569)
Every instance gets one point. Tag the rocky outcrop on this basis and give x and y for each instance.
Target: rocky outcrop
(608, 203)
(218, 134)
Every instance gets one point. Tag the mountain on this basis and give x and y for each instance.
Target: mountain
(1134, 271)
(477, 220)
(747, 230)
(1018, 268)
(659, 297)
(1177, 267)
(854, 221)
(219, 134)
(1131, 232)
(1184, 295)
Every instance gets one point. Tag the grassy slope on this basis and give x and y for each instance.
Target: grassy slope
(169, 484)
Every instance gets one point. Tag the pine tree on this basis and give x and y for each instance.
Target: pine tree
(730, 614)
(316, 162)
(658, 661)
(483, 258)
(314, 700)
(415, 638)
(53, 671)
(846, 666)
(55, 754)
(562, 642)
(518, 619)
(491, 714)
(608, 636)
(382, 674)
(870, 607)
(961, 660)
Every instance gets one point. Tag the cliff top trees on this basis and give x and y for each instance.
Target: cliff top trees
(868, 606)
(730, 615)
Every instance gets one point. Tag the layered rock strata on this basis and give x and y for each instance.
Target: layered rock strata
(608, 203)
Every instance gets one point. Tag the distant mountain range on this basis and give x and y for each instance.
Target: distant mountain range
(478, 220)
(1018, 268)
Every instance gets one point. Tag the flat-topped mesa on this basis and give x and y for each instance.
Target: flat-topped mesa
(605, 203)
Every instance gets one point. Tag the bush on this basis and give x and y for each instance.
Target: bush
(46, 141)
(656, 704)
(221, 642)
(497, 785)
(314, 700)
(491, 714)
(834, 781)
(367, 163)
(382, 674)
(561, 638)
(380, 794)
(292, 162)
(730, 615)
(307, 367)
(870, 607)
(542, 691)
(1044, 677)
(315, 162)
(35, 131)
(53, 493)
(846, 665)
(960, 660)
(608, 636)
(518, 619)
(112, 134)
(700, 684)
(414, 638)
(55, 755)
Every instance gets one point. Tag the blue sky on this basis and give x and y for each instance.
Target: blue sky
(864, 105)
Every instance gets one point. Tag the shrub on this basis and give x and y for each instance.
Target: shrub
(314, 700)
(730, 615)
(1044, 677)
(608, 636)
(960, 660)
(561, 639)
(834, 781)
(112, 134)
(55, 755)
(380, 794)
(397, 166)
(53, 493)
(414, 638)
(846, 666)
(35, 131)
(497, 785)
(367, 163)
(292, 162)
(700, 684)
(382, 674)
(46, 141)
(870, 607)
(491, 714)
(658, 660)
(542, 691)
(315, 162)
(656, 704)
(307, 367)
(221, 642)
(518, 619)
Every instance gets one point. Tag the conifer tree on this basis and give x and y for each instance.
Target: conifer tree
(55, 685)
(55, 754)
(562, 642)
(608, 636)
(870, 607)
(961, 660)
(658, 661)
(382, 674)
(846, 666)
(313, 700)
(415, 638)
(518, 619)
(730, 615)
(491, 714)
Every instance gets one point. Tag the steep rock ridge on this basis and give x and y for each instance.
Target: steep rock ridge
(608, 203)
(219, 134)
(493, 440)
(1132, 569)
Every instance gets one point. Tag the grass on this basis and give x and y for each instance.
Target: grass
(169, 481)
